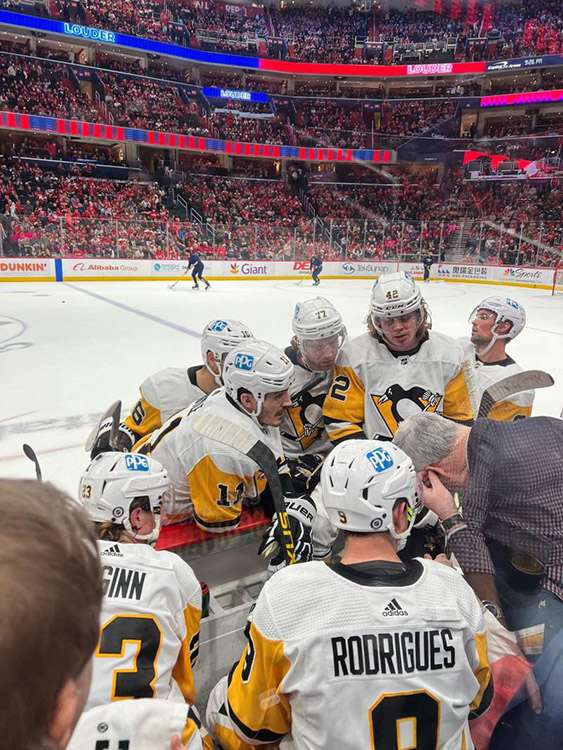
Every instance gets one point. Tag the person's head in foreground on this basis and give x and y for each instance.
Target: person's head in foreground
(398, 314)
(437, 445)
(369, 490)
(51, 594)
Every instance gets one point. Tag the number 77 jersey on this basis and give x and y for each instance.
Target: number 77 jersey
(371, 657)
(149, 628)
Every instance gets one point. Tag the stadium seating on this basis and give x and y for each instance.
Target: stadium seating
(488, 31)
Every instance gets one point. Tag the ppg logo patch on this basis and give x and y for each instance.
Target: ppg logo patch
(244, 361)
(380, 459)
(136, 462)
(218, 326)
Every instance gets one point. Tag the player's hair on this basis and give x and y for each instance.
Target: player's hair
(51, 594)
(111, 532)
(427, 438)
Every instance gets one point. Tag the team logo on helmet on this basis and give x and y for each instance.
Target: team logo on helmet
(218, 326)
(512, 303)
(136, 462)
(380, 459)
(244, 361)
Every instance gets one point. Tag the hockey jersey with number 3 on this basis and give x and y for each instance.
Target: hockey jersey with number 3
(373, 390)
(374, 665)
(149, 629)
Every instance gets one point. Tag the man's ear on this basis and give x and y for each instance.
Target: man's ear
(67, 712)
(437, 469)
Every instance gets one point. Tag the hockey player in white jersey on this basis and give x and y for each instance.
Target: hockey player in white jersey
(168, 391)
(143, 724)
(397, 368)
(211, 480)
(149, 630)
(367, 651)
(494, 323)
(318, 336)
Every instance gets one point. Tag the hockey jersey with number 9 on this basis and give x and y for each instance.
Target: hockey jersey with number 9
(373, 390)
(209, 480)
(338, 664)
(149, 629)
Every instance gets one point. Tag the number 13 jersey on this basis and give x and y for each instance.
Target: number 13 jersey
(149, 629)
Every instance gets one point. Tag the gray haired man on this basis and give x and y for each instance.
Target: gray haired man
(509, 537)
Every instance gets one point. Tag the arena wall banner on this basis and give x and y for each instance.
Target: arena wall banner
(105, 269)
(27, 269)
(115, 269)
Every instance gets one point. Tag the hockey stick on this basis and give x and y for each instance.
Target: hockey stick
(521, 381)
(217, 428)
(186, 272)
(114, 411)
(32, 455)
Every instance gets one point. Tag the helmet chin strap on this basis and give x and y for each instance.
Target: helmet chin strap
(256, 413)
(217, 377)
(494, 338)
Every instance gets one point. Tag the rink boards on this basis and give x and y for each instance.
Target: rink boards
(94, 269)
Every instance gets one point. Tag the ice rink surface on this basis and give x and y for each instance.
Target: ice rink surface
(68, 350)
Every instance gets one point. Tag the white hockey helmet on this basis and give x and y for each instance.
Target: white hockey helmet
(114, 481)
(393, 295)
(219, 337)
(362, 480)
(259, 368)
(317, 320)
(506, 309)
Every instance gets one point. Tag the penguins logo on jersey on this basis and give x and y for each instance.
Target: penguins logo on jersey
(305, 414)
(398, 403)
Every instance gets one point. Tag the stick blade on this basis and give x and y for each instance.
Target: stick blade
(32, 455)
(522, 381)
(113, 411)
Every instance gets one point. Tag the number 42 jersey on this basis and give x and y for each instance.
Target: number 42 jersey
(149, 629)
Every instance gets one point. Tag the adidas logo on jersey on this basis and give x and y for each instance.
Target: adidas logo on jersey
(114, 551)
(394, 609)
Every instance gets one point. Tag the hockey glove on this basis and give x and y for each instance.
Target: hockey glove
(305, 472)
(301, 512)
(125, 439)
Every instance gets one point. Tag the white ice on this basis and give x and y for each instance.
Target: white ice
(65, 355)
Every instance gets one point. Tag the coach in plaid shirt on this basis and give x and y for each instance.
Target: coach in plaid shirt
(511, 474)
(512, 477)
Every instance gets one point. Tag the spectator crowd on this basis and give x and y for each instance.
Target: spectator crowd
(478, 31)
